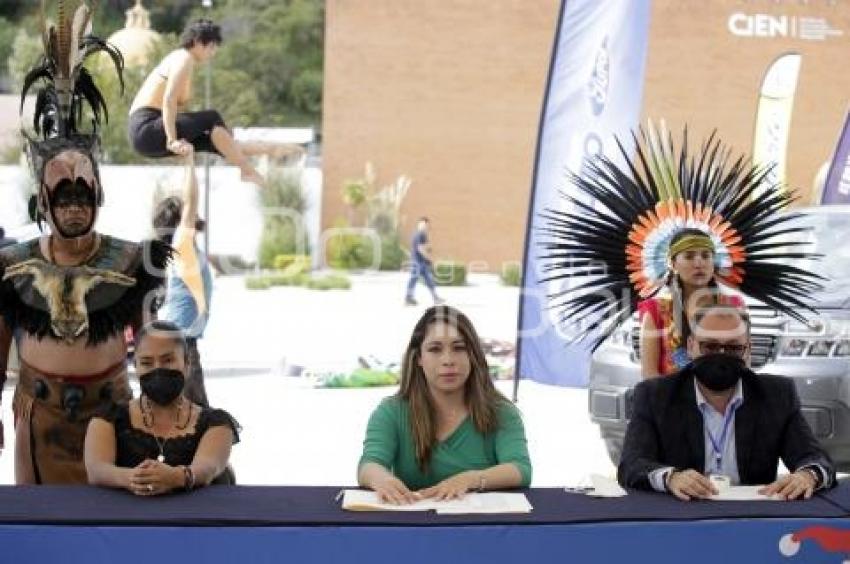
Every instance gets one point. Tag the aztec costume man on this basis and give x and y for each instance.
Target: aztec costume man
(67, 297)
(617, 250)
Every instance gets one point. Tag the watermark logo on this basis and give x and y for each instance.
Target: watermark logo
(831, 540)
(600, 79)
(806, 28)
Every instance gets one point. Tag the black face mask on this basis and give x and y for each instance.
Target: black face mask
(718, 371)
(67, 193)
(73, 193)
(162, 385)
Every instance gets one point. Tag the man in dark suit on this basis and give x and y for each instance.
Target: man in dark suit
(717, 417)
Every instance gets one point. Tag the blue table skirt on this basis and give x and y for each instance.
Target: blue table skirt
(273, 524)
(658, 542)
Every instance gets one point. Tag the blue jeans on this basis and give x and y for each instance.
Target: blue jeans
(423, 269)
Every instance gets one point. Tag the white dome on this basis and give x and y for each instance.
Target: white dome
(137, 38)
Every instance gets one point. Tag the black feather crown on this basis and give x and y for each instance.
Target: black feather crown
(68, 85)
(616, 247)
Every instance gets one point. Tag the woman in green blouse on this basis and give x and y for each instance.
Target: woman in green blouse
(448, 430)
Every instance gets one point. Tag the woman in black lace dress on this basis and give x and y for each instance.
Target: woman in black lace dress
(160, 442)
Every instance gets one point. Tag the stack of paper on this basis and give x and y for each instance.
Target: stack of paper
(491, 502)
(742, 493)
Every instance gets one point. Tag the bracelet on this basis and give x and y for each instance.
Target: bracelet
(188, 479)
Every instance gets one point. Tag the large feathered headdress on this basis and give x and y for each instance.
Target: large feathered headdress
(68, 84)
(68, 87)
(616, 246)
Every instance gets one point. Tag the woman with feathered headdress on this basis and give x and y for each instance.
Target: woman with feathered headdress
(690, 284)
(663, 234)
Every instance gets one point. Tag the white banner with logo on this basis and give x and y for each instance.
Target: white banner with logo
(594, 93)
(773, 117)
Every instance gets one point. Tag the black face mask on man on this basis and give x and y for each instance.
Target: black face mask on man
(718, 371)
(162, 385)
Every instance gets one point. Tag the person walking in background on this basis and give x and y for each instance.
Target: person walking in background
(422, 263)
(189, 289)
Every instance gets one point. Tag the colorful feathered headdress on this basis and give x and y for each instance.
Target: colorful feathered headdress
(615, 246)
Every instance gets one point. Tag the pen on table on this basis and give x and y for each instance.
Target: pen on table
(579, 489)
(339, 495)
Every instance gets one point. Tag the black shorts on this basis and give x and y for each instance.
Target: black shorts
(147, 133)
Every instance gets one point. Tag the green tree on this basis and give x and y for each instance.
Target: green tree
(279, 46)
(267, 73)
(14, 9)
(284, 204)
(26, 50)
(114, 142)
(8, 31)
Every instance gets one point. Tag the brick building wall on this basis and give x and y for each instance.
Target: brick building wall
(449, 92)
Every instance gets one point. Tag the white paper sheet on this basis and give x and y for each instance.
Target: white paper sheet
(605, 487)
(596, 485)
(490, 502)
(742, 493)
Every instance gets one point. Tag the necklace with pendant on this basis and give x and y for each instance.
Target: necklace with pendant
(147, 420)
(161, 444)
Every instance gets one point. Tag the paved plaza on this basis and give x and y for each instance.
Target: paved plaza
(295, 433)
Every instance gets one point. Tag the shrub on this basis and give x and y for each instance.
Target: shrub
(283, 233)
(392, 253)
(350, 251)
(329, 282)
(511, 274)
(277, 238)
(362, 378)
(288, 279)
(449, 273)
(292, 264)
(257, 283)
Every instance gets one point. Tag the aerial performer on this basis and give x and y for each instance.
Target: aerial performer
(159, 124)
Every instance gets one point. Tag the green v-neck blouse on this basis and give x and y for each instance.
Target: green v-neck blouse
(389, 442)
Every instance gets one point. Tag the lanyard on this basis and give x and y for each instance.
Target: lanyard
(719, 446)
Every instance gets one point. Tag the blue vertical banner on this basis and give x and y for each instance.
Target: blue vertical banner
(836, 190)
(593, 93)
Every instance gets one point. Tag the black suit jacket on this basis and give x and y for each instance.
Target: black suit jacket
(666, 429)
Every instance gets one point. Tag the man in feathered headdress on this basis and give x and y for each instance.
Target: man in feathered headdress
(67, 297)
